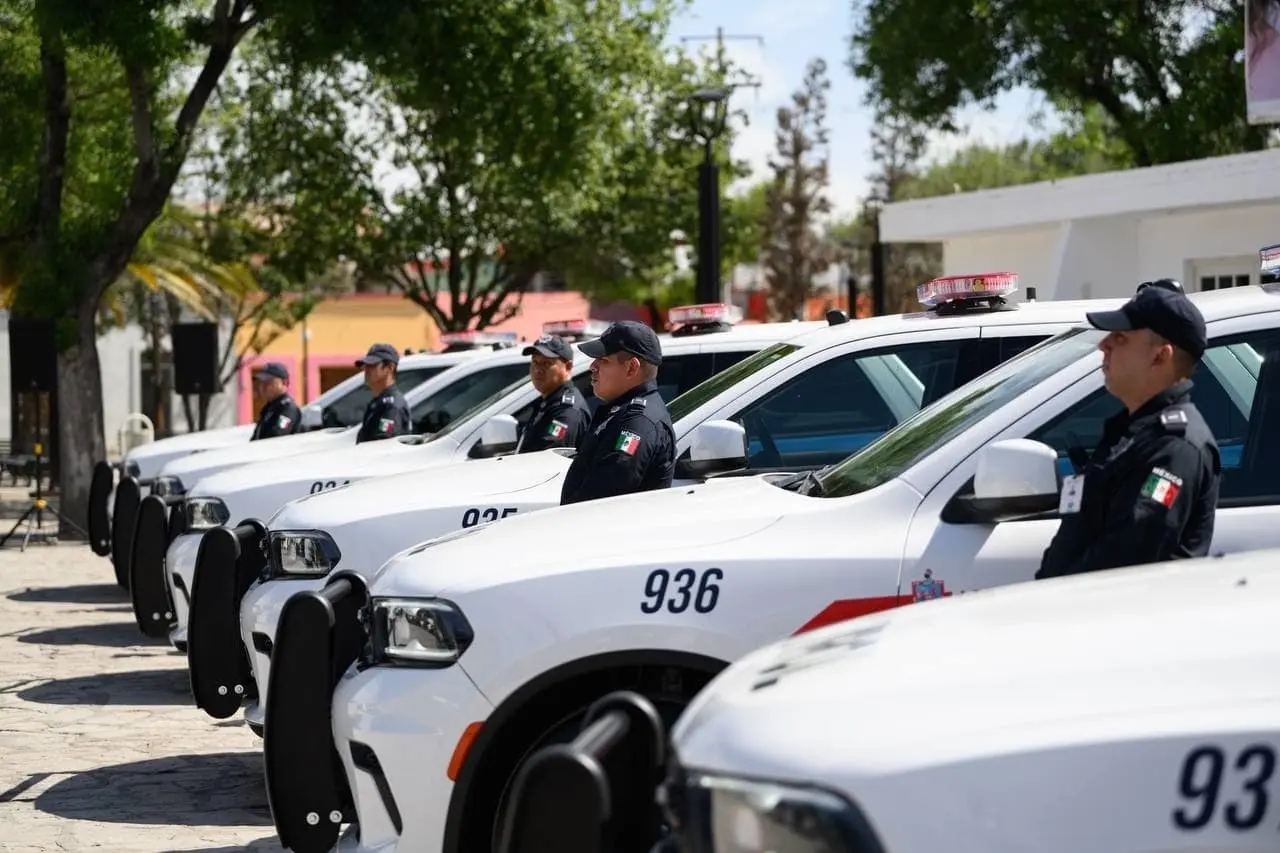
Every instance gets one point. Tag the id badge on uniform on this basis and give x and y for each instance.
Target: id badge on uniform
(1072, 494)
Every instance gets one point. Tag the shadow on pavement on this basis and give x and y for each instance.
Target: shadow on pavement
(118, 634)
(215, 789)
(92, 593)
(135, 687)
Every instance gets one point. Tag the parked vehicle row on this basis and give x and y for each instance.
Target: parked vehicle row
(420, 631)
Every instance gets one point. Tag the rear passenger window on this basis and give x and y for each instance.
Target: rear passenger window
(679, 373)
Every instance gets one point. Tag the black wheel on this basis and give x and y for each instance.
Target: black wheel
(559, 720)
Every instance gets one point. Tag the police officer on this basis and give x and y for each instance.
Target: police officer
(561, 416)
(1150, 490)
(630, 445)
(387, 414)
(279, 415)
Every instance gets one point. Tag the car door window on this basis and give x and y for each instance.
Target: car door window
(437, 411)
(348, 410)
(837, 407)
(679, 373)
(1236, 387)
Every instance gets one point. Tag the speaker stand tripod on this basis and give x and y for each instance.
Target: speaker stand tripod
(38, 507)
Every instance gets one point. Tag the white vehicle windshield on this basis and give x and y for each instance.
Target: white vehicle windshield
(936, 424)
(690, 400)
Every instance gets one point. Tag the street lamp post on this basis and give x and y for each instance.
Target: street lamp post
(709, 110)
(872, 207)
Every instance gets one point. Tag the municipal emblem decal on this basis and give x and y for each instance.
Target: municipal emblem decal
(557, 429)
(928, 588)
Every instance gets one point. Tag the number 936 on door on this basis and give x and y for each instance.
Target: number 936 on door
(679, 590)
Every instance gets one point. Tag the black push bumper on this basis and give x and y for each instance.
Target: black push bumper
(152, 606)
(124, 518)
(595, 794)
(228, 562)
(320, 635)
(99, 527)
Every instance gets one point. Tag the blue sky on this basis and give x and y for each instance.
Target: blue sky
(794, 32)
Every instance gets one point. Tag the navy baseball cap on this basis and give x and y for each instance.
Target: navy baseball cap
(272, 369)
(379, 353)
(551, 346)
(1160, 307)
(626, 336)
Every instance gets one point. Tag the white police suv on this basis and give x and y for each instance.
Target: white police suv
(139, 548)
(796, 405)
(474, 649)
(706, 341)
(1126, 710)
(341, 406)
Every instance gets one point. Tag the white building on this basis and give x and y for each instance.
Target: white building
(124, 373)
(1201, 222)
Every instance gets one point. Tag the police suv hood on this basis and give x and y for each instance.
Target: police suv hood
(191, 470)
(397, 498)
(601, 533)
(1033, 667)
(150, 458)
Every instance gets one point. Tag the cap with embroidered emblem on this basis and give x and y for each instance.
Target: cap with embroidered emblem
(1161, 309)
(626, 336)
(551, 346)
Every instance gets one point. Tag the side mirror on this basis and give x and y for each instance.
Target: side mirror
(498, 435)
(312, 417)
(714, 447)
(1016, 479)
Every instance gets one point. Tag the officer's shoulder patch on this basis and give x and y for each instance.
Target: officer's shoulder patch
(639, 402)
(390, 398)
(1174, 419)
(567, 398)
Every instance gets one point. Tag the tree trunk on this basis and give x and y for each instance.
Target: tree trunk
(81, 428)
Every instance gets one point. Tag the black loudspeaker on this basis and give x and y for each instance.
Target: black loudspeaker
(33, 355)
(195, 358)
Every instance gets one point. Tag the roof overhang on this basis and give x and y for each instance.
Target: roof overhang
(1236, 180)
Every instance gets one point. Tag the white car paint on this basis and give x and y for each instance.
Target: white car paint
(761, 562)
(258, 491)
(1071, 708)
(189, 471)
(368, 530)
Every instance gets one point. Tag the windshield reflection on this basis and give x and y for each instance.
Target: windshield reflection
(933, 426)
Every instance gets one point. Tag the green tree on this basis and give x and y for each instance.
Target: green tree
(1167, 73)
(794, 250)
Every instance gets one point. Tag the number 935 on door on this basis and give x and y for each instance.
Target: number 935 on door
(681, 590)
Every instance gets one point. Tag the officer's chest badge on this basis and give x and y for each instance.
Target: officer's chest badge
(929, 588)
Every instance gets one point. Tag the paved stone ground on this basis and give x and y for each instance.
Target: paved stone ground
(101, 746)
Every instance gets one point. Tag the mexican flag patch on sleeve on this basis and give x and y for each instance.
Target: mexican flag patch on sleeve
(1162, 487)
(386, 425)
(628, 443)
(283, 422)
(558, 430)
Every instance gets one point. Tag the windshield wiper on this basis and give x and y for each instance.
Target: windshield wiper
(811, 485)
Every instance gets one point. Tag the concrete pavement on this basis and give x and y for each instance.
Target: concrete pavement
(101, 746)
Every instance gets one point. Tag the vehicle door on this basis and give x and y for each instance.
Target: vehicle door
(1236, 388)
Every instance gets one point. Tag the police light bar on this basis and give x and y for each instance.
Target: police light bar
(471, 336)
(962, 288)
(711, 312)
(1269, 258)
(575, 328)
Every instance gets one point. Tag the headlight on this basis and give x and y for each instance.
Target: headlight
(166, 486)
(311, 553)
(205, 513)
(418, 631)
(741, 816)
(132, 469)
